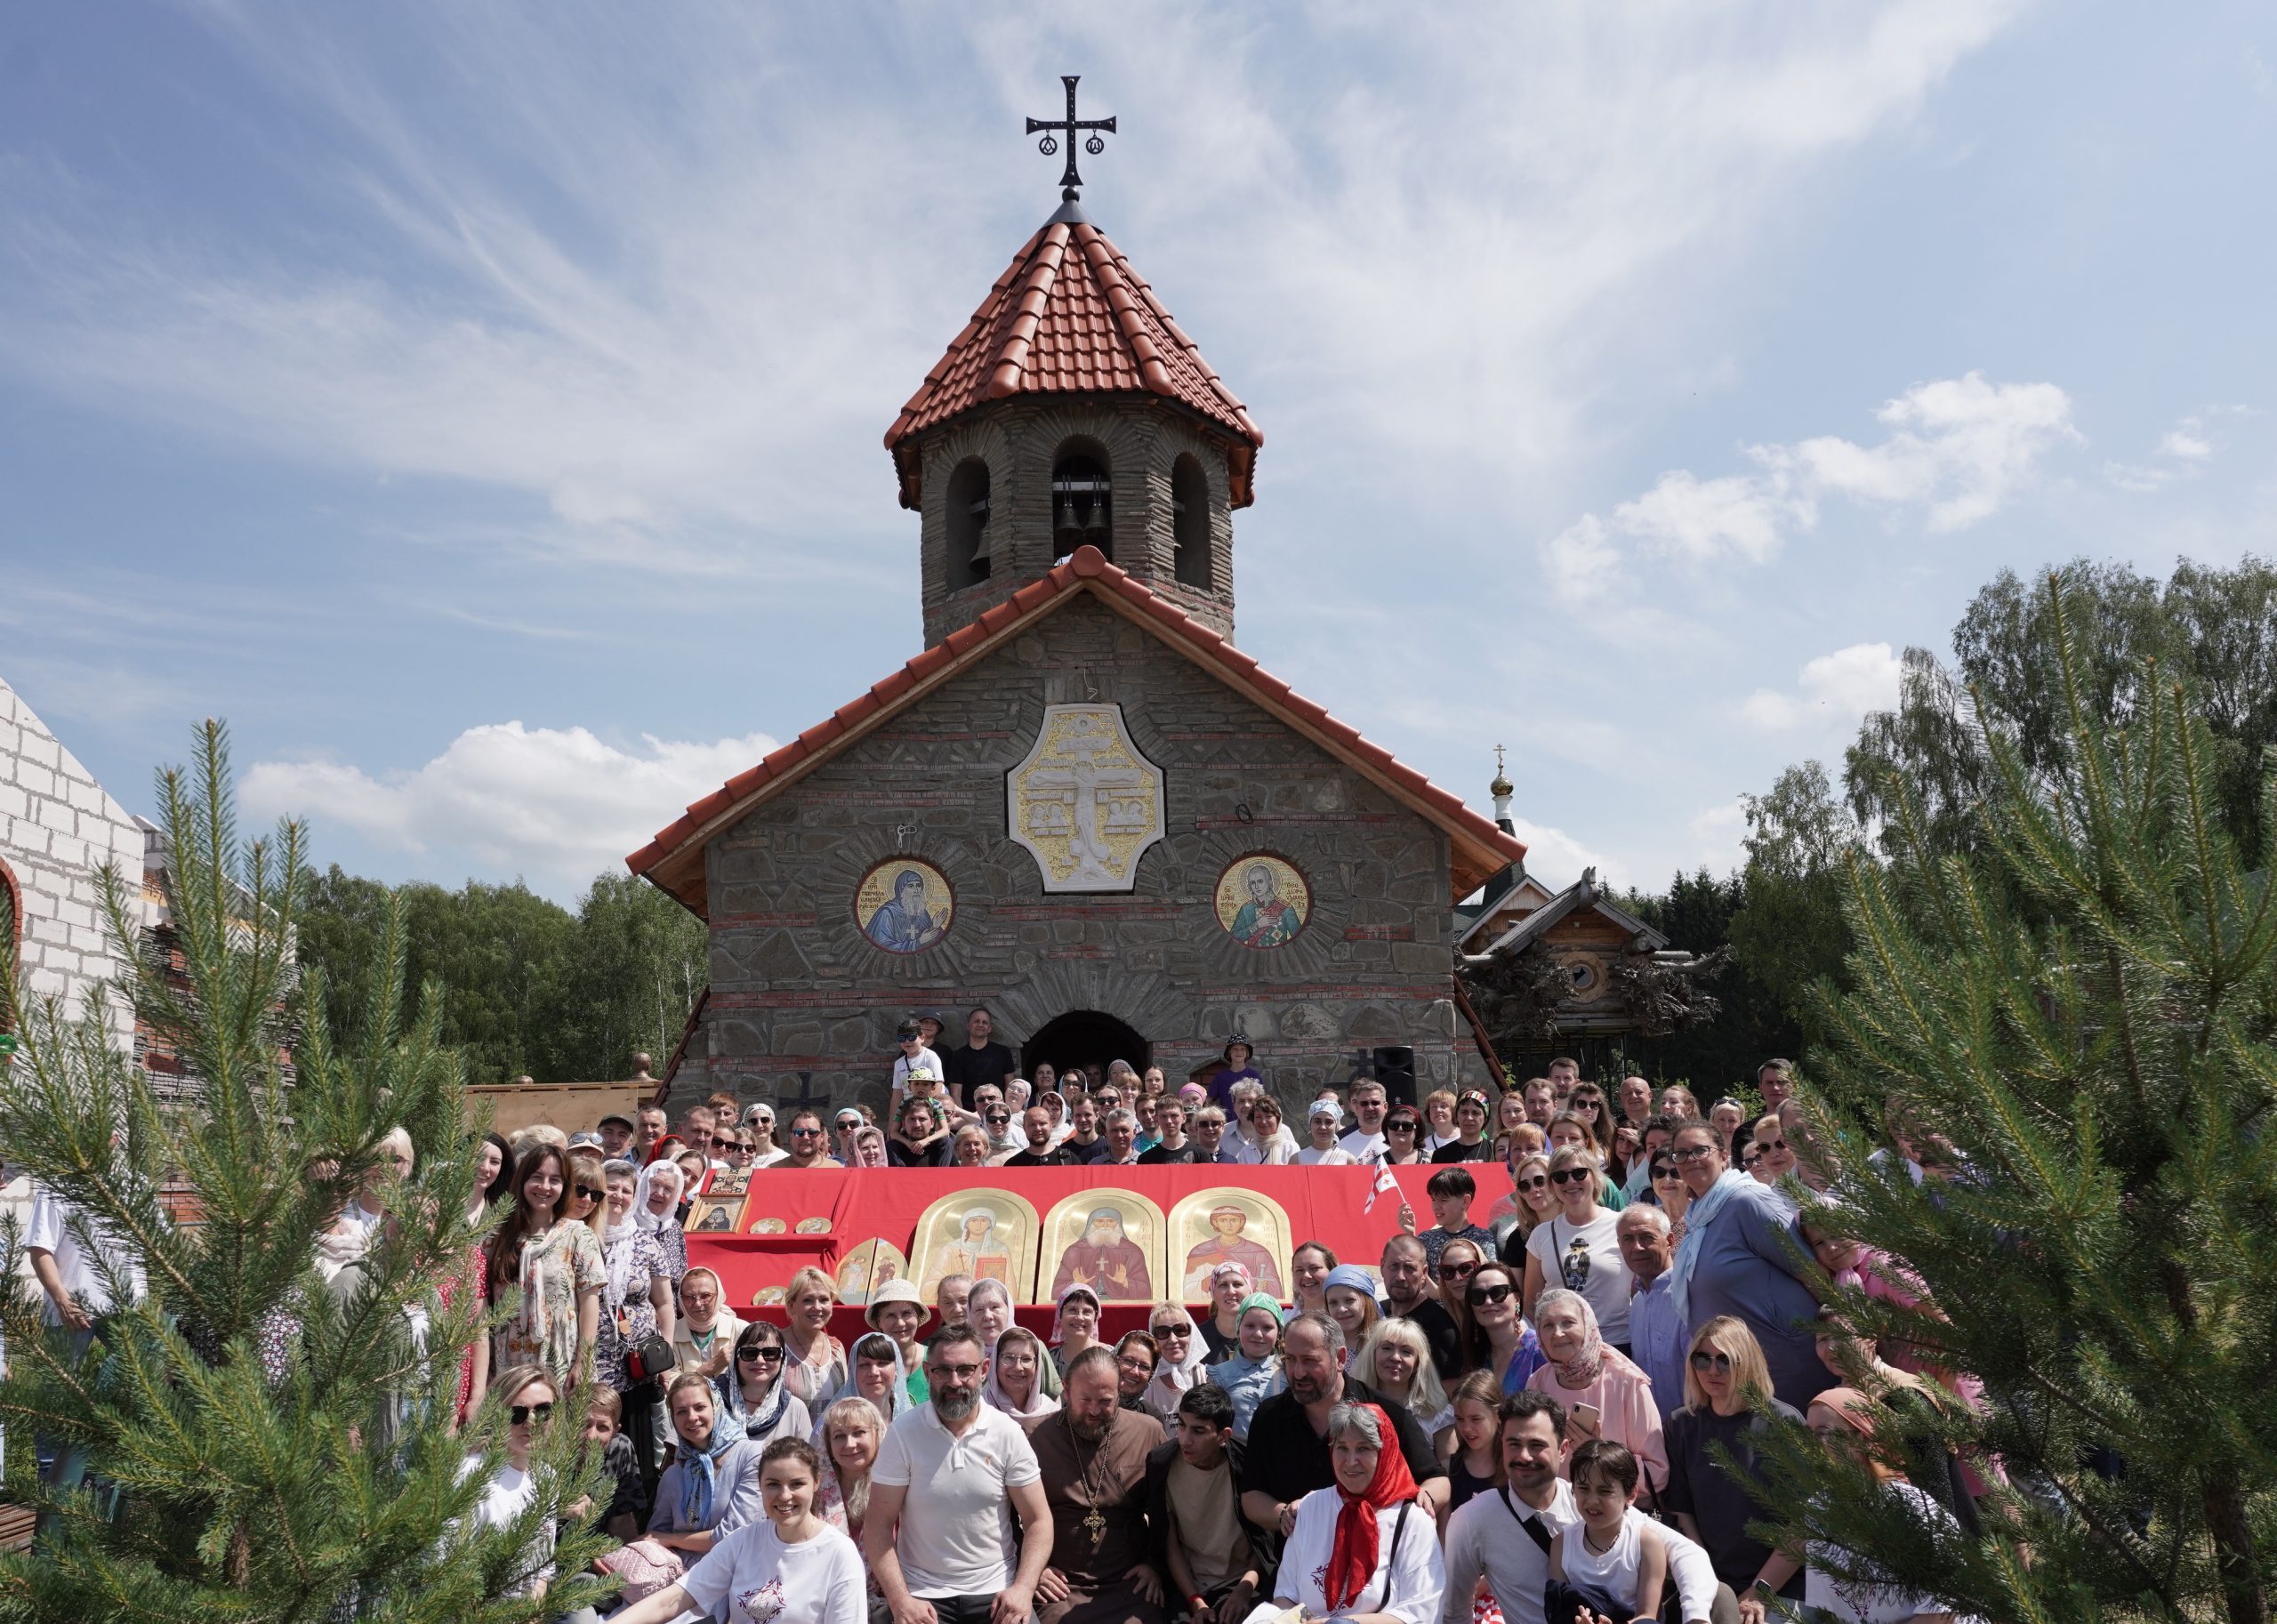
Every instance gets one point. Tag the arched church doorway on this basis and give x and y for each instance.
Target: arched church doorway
(1084, 1038)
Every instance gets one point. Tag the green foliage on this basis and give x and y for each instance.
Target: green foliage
(529, 986)
(1791, 934)
(1718, 1056)
(326, 1485)
(2214, 630)
(2084, 1009)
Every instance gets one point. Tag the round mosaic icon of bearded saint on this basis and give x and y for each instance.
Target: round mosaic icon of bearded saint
(1262, 901)
(905, 905)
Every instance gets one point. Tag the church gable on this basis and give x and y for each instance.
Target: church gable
(1354, 926)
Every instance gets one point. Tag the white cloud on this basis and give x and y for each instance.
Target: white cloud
(2187, 448)
(1835, 688)
(656, 277)
(555, 805)
(1554, 856)
(1958, 450)
(1700, 521)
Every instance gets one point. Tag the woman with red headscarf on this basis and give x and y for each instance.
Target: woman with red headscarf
(1362, 1550)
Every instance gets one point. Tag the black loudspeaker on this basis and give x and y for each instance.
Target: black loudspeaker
(1396, 1070)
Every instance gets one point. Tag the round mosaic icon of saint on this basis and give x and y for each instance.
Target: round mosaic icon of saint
(904, 905)
(1262, 901)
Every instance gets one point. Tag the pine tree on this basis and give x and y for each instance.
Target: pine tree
(2083, 1012)
(326, 1485)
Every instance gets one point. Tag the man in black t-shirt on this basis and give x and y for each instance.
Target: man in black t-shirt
(1288, 1453)
(1086, 1145)
(977, 1060)
(1037, 1123)
(1408, 1295)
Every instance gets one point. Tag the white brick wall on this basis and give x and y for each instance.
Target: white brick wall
(57, 825)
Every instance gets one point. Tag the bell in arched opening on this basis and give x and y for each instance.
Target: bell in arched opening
(1080, 510)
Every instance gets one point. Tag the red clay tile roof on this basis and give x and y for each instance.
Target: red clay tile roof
(674, 860)
(1071, 315)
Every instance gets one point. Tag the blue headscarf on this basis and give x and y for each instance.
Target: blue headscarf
(700, 1477)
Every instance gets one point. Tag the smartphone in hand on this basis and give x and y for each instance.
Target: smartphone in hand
(1585, 1419)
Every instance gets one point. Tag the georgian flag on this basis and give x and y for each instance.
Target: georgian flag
(1384, 1181)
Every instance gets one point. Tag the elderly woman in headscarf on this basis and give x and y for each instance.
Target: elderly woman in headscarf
(1253, 1374)
(655, 1207)
(1583, 1369)
(1185, 1357)
(1362, 1548)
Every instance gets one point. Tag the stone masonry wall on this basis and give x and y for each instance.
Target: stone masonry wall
(797, 987)
(57, 825)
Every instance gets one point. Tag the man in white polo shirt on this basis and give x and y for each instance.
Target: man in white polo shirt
(938, 1532)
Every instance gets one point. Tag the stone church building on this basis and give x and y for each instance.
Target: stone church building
(1081, 804)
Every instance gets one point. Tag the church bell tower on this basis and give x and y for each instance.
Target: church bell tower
(1072, 411)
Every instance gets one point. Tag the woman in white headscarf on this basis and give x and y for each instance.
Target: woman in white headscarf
(875, 1371)
(655, 1207)
(1185, 1357)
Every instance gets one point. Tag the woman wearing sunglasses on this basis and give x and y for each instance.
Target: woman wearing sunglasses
(1186, 1357)
(1579, 1246)
(1728, 1407)
(1532, 1204)
(1404, 1137)
(527, 1396)
(1497, 1338)
(749, 1395)
(1665, 1188)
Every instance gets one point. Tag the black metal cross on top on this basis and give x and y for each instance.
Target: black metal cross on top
(1071, 124)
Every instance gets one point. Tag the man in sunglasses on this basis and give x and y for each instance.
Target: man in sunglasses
(807, 1148)
(1656, 1337)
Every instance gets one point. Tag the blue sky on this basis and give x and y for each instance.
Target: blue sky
(480, 406)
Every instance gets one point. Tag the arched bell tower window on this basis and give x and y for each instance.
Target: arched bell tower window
(1190, 530)
(968, 526)
(1080, 510)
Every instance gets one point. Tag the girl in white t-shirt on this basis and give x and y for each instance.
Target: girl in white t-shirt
(792, 1569)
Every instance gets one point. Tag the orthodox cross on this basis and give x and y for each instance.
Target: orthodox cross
(1079, 786)
(1498, 760)
(1050, 144)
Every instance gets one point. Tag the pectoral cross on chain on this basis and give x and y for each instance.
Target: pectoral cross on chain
(1095, 1525)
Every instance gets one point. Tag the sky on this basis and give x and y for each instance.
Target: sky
(479, 407)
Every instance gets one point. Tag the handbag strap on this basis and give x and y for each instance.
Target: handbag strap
(1398, 1531)
(1535, 1531)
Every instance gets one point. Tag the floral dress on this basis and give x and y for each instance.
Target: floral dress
(642, 1261)
(813, 1379)
(555, 1270)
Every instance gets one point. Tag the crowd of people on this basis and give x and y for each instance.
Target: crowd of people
(1552, 1409)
